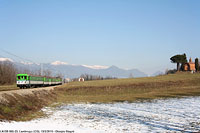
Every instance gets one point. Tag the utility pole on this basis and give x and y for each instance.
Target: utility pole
(41, 69)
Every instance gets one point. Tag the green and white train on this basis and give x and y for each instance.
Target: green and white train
(28, 81)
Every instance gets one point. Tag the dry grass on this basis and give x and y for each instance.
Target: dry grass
(26, 107)
(8, 87)
(176, 85)
(118, 90)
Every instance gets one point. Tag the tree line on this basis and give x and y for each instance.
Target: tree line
(180, 60)
(8, 72)
(89, 77)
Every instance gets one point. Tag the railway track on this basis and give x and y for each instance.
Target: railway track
(24, 91)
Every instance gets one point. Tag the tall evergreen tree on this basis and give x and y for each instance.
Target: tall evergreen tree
(197, 64)
(179, 59)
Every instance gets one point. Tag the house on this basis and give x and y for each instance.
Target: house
(81, 79)
(190, 66)
(67, 80)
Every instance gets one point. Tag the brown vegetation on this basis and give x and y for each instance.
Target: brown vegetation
(89, 77)
(17, 107)
(8, 87)
(176, 85)
(7, 73)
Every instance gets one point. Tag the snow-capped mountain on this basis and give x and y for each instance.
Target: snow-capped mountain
(96, 66)
(74, 71)
(6, 59)
(59, 63)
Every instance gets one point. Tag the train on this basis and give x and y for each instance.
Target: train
(29, 81)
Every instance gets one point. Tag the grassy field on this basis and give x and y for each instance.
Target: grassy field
(119, 90)
(8, 87)
(103, 91)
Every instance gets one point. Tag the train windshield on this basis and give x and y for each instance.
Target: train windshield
(22, 77)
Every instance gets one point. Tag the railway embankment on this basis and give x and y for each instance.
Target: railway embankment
(23, 92)
(25, 104)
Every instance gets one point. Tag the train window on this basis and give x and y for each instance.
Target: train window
(18, 77)
(25, 77)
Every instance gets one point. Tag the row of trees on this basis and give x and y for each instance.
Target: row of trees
(38, 72)
(88, 77)
(7, 73)
(181, 60)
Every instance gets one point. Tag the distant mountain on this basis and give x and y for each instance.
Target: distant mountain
(74, 71)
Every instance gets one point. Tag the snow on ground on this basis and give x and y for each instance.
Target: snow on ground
(171, 115)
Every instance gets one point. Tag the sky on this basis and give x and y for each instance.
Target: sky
(140, 34)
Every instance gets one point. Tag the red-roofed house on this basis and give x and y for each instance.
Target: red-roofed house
(190, 66)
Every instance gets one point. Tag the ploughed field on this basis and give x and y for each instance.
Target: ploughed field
(119, 90)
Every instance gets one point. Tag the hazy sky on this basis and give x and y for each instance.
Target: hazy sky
(141, 34)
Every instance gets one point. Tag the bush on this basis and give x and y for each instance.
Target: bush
(171, 71)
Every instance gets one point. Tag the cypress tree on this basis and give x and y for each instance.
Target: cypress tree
(197, 64)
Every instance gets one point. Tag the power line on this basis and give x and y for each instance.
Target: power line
(41, 65)
(2, 56)
(17, 56)
(15, 59)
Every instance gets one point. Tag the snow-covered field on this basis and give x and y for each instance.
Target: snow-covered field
(171, 115)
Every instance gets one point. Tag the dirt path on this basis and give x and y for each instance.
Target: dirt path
(25, 91)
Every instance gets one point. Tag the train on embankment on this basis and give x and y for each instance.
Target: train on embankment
(28, 81)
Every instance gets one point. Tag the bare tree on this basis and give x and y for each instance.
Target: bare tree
(7, 73)
(47, 73)
(95, 77)
(131, 75)
(60, 75)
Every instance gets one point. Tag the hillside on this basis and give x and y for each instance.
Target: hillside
(176, 85)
